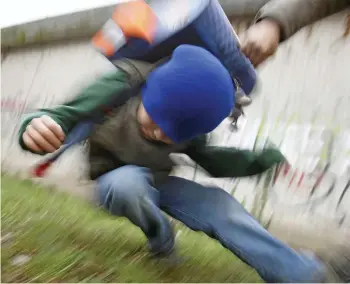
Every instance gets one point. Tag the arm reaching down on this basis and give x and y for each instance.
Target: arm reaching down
(292, 15)
(232, 162)
(278, 20)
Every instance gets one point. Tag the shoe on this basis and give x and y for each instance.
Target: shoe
(337, 262)
(243, 101)
(170, 258)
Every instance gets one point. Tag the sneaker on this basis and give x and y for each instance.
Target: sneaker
(167, 254)
(243, 101)
(171, 258)
(337, 262)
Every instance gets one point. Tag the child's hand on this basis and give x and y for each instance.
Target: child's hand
(43, 135)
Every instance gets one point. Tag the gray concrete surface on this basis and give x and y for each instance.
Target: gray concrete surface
(305, 86)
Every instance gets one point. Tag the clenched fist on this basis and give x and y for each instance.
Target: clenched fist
(43, 135)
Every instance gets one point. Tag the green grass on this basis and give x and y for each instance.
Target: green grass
(69, 240)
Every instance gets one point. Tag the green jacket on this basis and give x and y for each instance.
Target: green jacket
(218, 161)
(292, 15)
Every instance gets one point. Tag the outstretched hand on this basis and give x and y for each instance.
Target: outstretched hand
(261, 41)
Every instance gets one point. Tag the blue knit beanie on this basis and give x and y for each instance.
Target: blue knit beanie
(189, 95)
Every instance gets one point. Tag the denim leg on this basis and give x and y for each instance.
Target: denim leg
(216, 213)
(128, 192)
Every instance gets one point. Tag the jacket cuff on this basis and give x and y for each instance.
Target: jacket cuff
(273, 12)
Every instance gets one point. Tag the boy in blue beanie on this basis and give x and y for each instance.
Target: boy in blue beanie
(197, 105)
(181, 101)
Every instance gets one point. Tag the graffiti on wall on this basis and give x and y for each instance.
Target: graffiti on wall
(12, 110)
(316, 179)
(14, 105)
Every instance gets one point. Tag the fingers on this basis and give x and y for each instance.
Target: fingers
(43, 135)
(251, 50)
(256, 49)
(39, 136)
(30, 143)
(246, 47)
(54, 127)
(256, 53)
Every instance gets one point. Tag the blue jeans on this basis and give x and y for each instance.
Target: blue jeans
(129, 192)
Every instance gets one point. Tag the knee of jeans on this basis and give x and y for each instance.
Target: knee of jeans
(231, 214)
(123, 185)
(224, 206)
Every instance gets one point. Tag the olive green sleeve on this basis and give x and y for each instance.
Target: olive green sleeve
(232, 162)
(292, 15)
(95, 96)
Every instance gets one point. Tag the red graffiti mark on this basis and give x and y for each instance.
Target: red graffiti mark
(12, 104)
(286, 169)
(292, 179)
(301, 179)
(298, 177)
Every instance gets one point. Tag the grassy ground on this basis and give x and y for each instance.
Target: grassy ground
(68, 240)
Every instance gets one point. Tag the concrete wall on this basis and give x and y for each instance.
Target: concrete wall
(302, 108)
